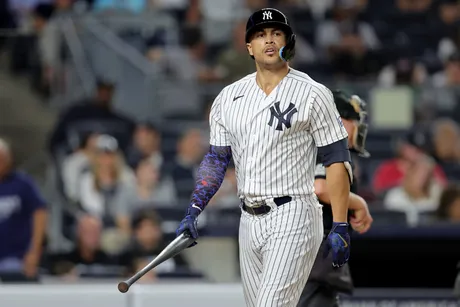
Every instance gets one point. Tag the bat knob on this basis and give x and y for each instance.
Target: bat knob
(123, 287)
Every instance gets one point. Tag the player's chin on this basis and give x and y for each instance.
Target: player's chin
(271, 59)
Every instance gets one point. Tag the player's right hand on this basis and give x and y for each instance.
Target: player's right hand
(189, 224)
(338, 243)
(361, 220)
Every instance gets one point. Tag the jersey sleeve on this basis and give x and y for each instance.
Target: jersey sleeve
(219, 134)
(325, 123)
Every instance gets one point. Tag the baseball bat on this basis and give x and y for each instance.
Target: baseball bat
(180, 243)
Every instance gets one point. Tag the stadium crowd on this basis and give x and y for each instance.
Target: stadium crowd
(114, 172)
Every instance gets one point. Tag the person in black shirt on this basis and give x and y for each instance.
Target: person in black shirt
(86, 258)
(325, 282)
(147, 243)
(95, 114)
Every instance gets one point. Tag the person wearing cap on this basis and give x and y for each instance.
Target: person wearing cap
(100, 188)
(273, 123)
(326, 282)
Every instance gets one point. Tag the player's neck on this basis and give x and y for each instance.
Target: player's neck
(267, 78)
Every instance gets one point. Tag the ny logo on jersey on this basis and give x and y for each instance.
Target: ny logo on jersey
(283, 117)
(267, 15)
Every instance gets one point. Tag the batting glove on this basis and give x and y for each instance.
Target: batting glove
(338, 242)
(189, 224)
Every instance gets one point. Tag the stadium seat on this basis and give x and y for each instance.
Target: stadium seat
(385, 218)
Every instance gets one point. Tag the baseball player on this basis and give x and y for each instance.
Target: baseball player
(325, 282)
(274, 123)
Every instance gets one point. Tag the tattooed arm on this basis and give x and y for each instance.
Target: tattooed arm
(210, 176)
(211, 171)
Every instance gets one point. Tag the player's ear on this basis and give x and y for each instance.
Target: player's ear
(249, 46)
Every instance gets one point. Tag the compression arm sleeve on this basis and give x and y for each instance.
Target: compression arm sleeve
(210, 176)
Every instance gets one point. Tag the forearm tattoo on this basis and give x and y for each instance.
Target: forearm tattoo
(210, 176)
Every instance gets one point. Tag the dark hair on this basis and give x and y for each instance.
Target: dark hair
(145, 215)
(43, 10)
(102, 84)
(448, 196)
(150, 125)
(191, 36)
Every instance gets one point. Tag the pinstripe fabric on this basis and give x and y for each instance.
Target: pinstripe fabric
(273, 158)
(277, 252)
(269, 162)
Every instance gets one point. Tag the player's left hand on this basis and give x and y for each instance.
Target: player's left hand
(338, 243)
(189, 224)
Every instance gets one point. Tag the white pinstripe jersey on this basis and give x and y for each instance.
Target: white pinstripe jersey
(274, 138)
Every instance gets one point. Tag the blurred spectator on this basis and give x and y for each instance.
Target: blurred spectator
(189, 63)
(23, 220)
(43, 52)
(446, 139)
(149, 190)
(219, 16)
(254, 5)
(135, 6)
(76, 164)
(318, 7)
(419, 191)
(190, 151)
(227, 195)
(404, 71)
(146, 145)
(51, 44)
(410, 154)
(347, 42)
(147, 243)
(32, 54)
(6, 18)
(447, 25)
(92, 115)
(156, 45)
(63, 8)
(411, 6)
(101, 187)
(86, 259)
(235, 62)
(449, 207)
(185, 67)
(450, 76)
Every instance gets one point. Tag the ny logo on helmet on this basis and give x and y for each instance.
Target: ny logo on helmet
(267, 15)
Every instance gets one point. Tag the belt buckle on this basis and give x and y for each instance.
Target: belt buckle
(256, 204)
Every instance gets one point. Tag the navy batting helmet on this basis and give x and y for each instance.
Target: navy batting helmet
(354, 108)
(273, 17)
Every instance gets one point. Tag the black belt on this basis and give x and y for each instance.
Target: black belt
(264, 208)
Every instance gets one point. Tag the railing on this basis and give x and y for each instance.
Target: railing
(195, 294)
(97, 52)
